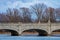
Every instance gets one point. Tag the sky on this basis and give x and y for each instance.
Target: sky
(5, 4)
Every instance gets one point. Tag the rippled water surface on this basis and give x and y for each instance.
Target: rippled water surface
(9, 37)
(28, 38)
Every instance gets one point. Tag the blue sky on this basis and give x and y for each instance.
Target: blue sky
(5, 4)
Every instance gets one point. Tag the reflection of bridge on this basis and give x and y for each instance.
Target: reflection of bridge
(19, 27)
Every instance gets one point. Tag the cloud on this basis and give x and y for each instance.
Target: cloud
(51, 3)
(18, 4)
(15, 4)
(28, 3)
(4, 4)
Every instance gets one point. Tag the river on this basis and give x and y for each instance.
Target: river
(28, 38)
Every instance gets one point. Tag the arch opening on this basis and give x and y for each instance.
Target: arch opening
(36, 32)
(12, 32)
(56, 33)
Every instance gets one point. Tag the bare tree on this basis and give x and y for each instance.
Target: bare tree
(13, 15)
(10, 14)
(3, 18)
(45, 16)
(39, 10)
(57, 14)
(52, 14)
(26, 15)
(16, 15)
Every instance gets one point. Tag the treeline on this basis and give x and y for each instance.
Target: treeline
(34, 14)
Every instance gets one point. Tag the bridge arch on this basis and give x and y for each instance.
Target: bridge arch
(13, 32)
(55, 32)
(39, 31)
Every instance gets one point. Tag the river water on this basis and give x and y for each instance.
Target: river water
(28, 38)
(9, 37)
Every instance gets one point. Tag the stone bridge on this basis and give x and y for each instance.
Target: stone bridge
(20, 27)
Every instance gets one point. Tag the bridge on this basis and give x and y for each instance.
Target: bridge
(20, 27)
